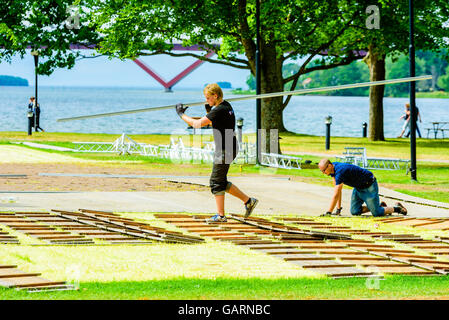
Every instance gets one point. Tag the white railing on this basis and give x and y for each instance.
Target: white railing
(177, 151)
(280, 161)
(358, 157)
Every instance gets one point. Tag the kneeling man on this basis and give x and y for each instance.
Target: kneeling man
(365, 190)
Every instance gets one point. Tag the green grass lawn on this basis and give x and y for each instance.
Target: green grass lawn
(216, 270)
(397, 287)
(212, 270)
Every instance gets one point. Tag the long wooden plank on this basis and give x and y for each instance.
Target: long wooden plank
(292, 256)
(408, 270)
(28, 282)
(321, 264)
(14, 273)
(343, 272)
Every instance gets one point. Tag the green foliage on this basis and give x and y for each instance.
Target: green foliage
(392, 37)
(443, 81)
(48, 26)
(400, 69)
(251, 82)
(289, 30)
(355, 72)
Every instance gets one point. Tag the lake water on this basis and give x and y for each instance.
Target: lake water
(304, 114)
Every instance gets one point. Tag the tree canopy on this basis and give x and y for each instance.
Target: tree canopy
(48, 26)
(290, 30)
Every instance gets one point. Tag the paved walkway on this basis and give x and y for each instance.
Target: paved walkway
(277, 195)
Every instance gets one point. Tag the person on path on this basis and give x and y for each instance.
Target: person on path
(31, 109)
(221, 115)
(37, 113)
(406, 117)
(365, 189)
(417, 128)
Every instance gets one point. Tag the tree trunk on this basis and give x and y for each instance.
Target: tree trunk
(272, 108)
(376, 65)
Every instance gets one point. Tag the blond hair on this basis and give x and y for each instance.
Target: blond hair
(213, 88)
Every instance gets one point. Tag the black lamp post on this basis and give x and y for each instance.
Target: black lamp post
(413, 168)
(258, 77)
(35, 54)
(328, 122)
(365, 126)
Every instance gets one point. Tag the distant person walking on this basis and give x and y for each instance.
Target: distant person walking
(37, 111)
(417, 128)
(406, 117)
(31, 110)
(37, 114)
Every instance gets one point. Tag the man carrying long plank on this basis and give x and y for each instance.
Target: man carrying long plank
(221, 115)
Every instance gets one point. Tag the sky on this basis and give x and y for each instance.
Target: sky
(103, 72)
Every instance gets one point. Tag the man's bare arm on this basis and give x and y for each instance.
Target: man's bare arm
(336, 198)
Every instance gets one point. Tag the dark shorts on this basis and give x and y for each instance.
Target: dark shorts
(218, 182)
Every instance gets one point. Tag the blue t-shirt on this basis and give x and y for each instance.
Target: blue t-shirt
(352, 175)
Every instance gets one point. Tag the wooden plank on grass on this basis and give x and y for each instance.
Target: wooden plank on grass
(286, 251)
(271, 245)
(374, 263)
(28, 282)
(254, 242)
(437, 226)
(343, 272)
(407, 270)
(13, 273)
(321, 264)
(291, 257)
(321, 246)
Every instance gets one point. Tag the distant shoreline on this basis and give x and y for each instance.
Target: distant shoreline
(422, 95)
(11, 81)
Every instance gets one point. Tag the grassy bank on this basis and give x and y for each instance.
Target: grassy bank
(434, 94)
(432, 155)
(397, 287)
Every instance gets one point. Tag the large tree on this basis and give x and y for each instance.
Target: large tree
(391, 38)
(48, 26)
(308, 29)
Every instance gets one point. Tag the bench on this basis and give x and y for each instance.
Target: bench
(358, 157)
(435, 131)
(354, 155)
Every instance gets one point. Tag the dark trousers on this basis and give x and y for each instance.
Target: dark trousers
(417, 130)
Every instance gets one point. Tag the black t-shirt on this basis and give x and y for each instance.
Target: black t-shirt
(223, 125)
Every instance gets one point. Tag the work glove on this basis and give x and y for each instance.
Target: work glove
(208, 107)
(180, 109)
